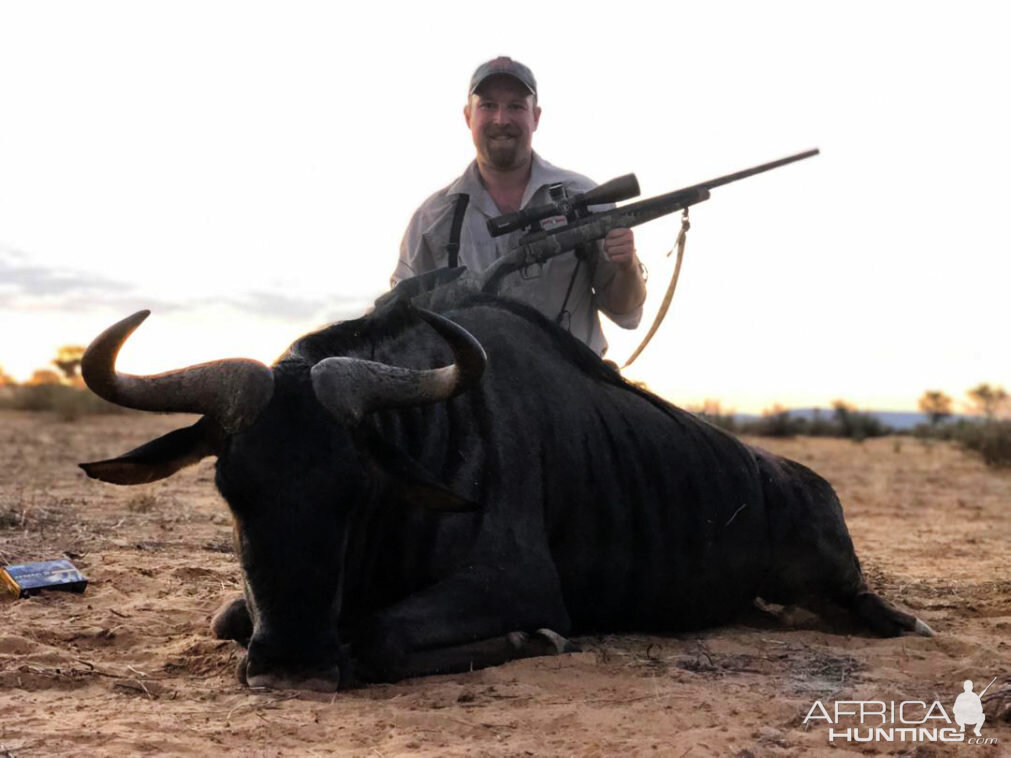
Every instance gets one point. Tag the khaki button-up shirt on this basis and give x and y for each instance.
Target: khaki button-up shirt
(424, 249)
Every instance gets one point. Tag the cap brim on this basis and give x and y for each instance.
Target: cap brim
(476, 87)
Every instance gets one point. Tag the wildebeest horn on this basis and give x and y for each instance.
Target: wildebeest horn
(232, 392)
(351, 387)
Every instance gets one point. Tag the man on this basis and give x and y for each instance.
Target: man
(450, 227)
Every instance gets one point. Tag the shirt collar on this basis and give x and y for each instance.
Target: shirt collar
(470, 184)
(541, 175)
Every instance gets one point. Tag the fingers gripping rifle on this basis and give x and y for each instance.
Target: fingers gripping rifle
(540, 246)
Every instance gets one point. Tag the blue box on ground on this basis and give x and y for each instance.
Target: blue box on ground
(24, 579)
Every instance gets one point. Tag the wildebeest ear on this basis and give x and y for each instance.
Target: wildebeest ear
(407, 478)
(156, 459)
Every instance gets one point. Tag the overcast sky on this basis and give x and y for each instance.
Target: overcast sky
(246, 171)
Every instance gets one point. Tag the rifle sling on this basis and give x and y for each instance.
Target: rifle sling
(560, 318)
(669, 295)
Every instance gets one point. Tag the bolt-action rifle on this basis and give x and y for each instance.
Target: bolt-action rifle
(585, 226)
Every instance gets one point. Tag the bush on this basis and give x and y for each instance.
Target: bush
(946, 430)
(69, 403)
(844, 422)
(821, 426)
(992, 440)
(777, 423)
(859, 426)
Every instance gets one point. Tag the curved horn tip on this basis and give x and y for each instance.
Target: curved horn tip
(470, 354)
(99, 360)
(349, 387)
(132, 321)
(120, 330)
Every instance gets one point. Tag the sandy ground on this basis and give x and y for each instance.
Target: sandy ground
(129, 668)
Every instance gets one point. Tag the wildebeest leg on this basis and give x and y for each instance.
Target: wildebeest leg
(866, 611)
(464, 622)
(474, 655)
(232, 621)
(884, 618)
(814, 563)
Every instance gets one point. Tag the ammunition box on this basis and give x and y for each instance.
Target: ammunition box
(25, 579)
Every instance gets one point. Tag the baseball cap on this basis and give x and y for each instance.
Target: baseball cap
(503, 66)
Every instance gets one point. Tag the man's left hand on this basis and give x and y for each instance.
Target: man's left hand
(619, 247)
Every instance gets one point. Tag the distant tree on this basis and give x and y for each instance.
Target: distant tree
(44, 376)
(6, 380)
(987, 399)
(68, 360)
(842, 410)
(936, 405)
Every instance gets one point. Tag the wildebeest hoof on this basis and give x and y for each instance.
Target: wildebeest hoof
(560, 643)
(232, 622)
(542, 642)
(314, 679)
(923, 629)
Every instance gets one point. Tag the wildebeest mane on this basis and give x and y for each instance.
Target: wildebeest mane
(394, 313)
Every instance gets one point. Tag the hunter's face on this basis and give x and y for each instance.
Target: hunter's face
(502, 116)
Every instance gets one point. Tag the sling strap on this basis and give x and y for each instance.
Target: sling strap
(669, 295)
(564, 317)
(453, 246)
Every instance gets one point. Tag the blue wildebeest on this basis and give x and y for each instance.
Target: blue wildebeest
(421, 491)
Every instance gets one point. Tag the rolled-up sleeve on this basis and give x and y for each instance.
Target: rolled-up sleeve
(603, 280)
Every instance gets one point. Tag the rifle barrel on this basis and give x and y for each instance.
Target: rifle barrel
(758, 169)
(537, 247)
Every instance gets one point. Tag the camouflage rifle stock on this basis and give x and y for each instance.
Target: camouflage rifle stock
(540, 246)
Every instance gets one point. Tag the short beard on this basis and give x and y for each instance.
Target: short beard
(504, 157)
